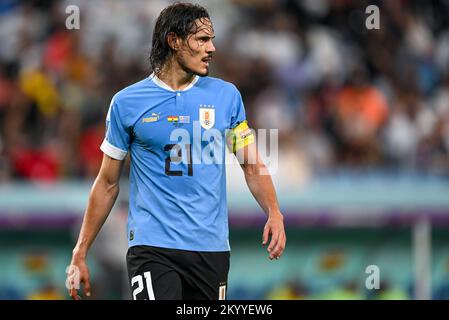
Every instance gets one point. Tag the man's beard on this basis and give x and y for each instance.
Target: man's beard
(203, 74)
(188, 70)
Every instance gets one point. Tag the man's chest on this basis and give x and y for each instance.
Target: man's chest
(180, 118)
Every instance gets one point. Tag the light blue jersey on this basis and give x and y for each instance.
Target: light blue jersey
(176, 199)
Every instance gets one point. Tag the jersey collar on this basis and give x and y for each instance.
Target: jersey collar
(163, 85)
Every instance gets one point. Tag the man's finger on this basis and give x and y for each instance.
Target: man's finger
(87, 287)
(71, 287)
(74, 294)
(266, 232)
(277, 251)
(273, 253)
(273, 242)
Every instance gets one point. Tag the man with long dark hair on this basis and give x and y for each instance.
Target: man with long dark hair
(176, 125)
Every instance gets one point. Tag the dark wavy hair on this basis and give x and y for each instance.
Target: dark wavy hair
(178, 18)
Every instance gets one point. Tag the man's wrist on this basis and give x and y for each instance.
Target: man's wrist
(275, 214)
(79, 254)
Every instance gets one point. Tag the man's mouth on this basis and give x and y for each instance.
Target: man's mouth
(207, 59)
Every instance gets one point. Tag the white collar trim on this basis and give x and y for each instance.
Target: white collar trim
(163, 85)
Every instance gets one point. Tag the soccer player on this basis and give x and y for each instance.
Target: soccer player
(178, 221)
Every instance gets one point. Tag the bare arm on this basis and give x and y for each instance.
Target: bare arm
(261, 186)
(101, 200)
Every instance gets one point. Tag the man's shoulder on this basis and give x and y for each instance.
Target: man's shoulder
(218, 83)
(131, 90)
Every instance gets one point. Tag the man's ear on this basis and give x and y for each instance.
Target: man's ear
(173, 41)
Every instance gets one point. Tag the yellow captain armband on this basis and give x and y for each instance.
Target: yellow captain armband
(241, 136)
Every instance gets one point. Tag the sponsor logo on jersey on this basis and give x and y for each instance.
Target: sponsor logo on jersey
(154, 117)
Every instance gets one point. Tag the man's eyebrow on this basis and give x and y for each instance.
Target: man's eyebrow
(206, 36)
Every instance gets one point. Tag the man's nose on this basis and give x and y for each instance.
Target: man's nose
(210, 47)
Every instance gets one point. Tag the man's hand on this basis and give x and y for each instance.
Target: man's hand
(78, 273)
(275, 227)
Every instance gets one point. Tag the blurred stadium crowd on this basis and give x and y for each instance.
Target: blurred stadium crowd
(341, 96)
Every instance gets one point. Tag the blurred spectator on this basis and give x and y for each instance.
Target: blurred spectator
(360, 113)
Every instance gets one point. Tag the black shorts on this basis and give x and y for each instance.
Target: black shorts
(172, 274)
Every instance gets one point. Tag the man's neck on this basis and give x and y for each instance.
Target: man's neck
(175, 77)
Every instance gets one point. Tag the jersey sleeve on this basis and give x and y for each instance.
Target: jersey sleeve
(238, 114)
(240, 134)
(117, 138)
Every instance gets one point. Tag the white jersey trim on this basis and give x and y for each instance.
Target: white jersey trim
(163, 85)
(112, 150)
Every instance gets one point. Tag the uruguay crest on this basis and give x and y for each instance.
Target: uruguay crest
(207, 117)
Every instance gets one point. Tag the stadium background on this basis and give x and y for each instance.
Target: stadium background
(363, 119)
